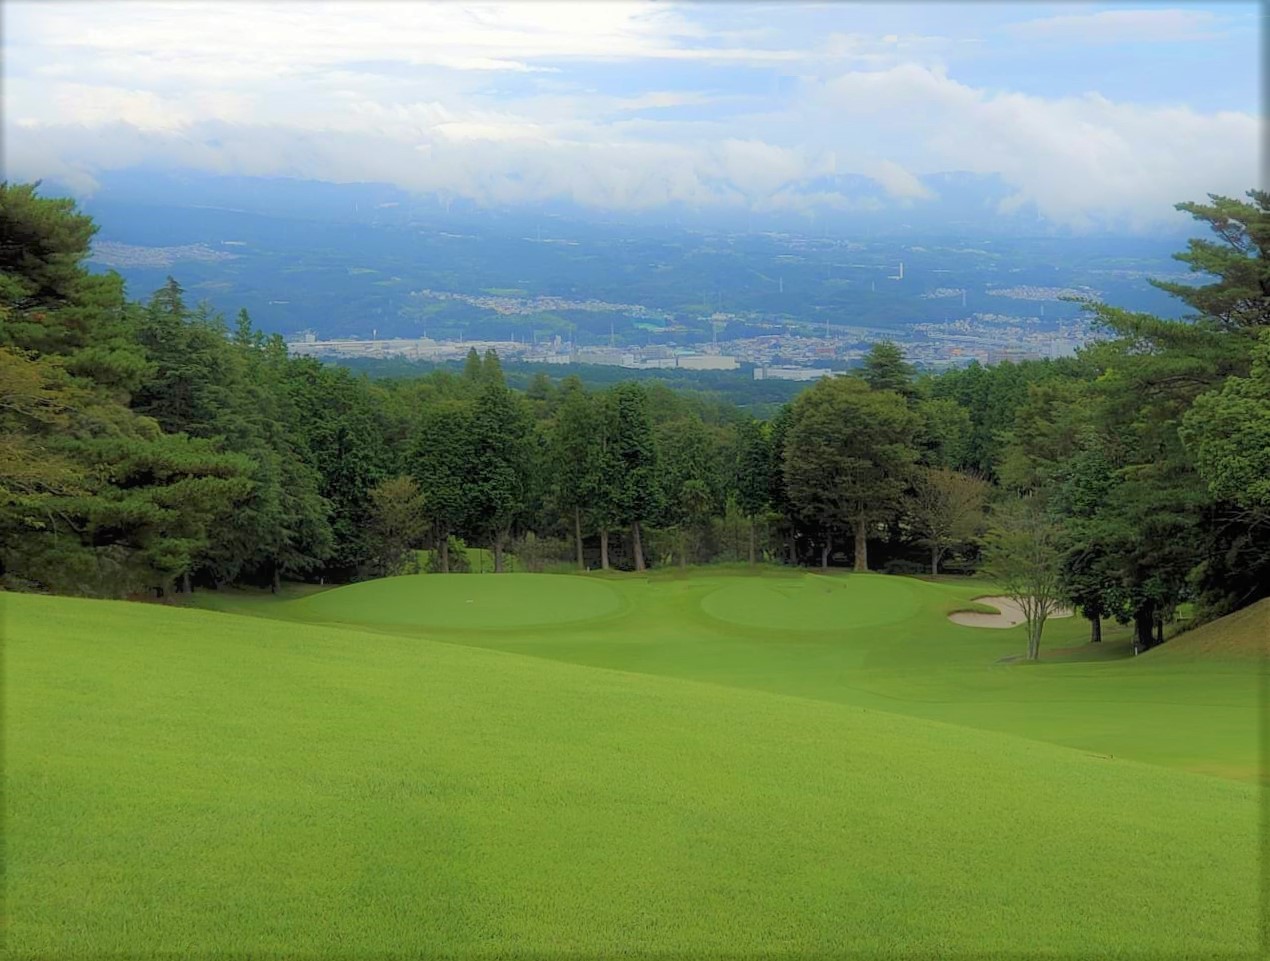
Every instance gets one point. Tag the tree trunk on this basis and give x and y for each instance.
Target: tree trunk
(934, 562)
(445, 550)
(1034, 640)
(753, 540)
(604, 549)
(277, 581)
(637, 547)
(185, 583)
(498, 553)
(683, 549)
(1159, 629)
(1095, 628)
(577, 536)
(825, 550)
(861, 545)
(1143, 621)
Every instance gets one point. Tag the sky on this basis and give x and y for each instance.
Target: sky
(1101, 115)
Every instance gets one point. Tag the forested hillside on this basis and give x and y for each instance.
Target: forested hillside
(151, 448)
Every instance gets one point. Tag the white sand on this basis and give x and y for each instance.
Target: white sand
(1011, 614)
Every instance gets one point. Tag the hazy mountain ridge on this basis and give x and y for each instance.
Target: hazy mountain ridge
(349, 259)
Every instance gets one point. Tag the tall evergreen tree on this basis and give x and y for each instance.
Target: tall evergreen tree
(472, 367)
(886, 369)
(689, 481)
(1238, 296)
(634, 458)
(133, 507)
(577, 448)
(752, 482)
(500, 464)
(440, 461)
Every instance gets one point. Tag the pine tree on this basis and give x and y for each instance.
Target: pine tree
(440, 461)
(576, 447)
(634, 490)
(752, 484)
(500, 458)
(886, 369)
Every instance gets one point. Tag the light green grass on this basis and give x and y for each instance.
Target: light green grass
(461, 602)
(813, 603)
(691, 625)
(206, 784)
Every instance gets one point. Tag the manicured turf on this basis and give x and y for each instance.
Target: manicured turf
(464, 602)
(199, 783)
(692, 626)
(813, 603)
(1243, 636)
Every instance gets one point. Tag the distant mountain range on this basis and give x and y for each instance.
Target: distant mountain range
(961, 204)
(354, 259)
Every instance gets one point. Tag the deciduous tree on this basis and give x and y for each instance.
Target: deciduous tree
(398, 522)
(847, 458)
(946, 509)
(1023, 554)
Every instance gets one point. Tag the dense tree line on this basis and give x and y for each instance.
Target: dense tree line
(147, 448)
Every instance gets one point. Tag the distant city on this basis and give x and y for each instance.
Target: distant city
(794, 351)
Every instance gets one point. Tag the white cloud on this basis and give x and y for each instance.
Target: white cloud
(1077, 158)
(1122, 26)
(896, 181)
(494, 102)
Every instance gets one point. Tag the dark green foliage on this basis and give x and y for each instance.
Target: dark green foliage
(1227, 431)
(688, 466)
(631, 459)
(576, 468)
(847, 456)
(1239, 297)
(97, 499)
(944, 433)
(886, 369)
(439, 460)
(472, 366)
(497, 476)
(751, 477)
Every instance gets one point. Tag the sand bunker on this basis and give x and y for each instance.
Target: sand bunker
(1011, 614)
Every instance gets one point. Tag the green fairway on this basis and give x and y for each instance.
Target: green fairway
(895, 650)
(686, 765)
(813, 603)
(467, 603)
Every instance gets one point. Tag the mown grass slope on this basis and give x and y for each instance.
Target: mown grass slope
(190, 783)
(463, 603)
(1243, 636)
(866, 640)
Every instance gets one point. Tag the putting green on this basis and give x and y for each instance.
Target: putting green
(815, 603)
(462, 601)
